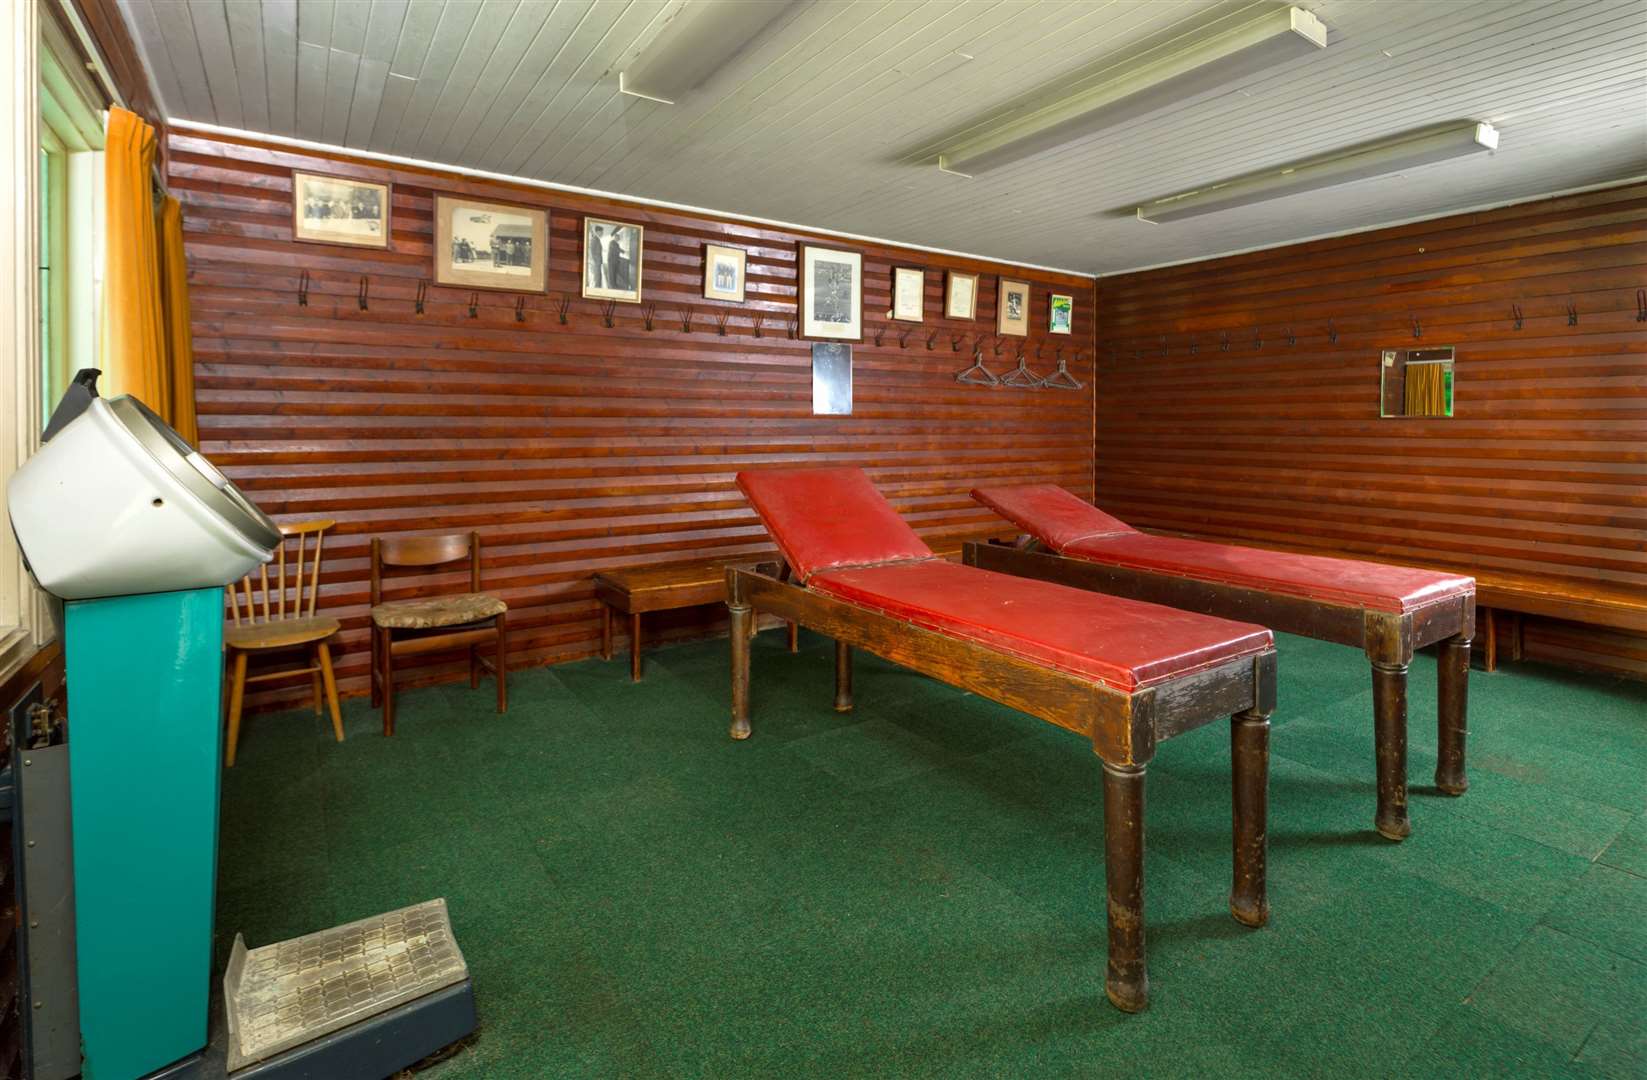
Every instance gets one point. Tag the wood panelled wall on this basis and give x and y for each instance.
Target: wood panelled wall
(1227, 408)
(575, 447)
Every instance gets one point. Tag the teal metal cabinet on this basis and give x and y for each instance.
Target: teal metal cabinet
(145, 746)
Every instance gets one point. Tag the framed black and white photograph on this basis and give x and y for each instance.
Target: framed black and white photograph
(723, 270)
(1012, 316)
(831, 293)
(1061, 314)
(831, 379)
(487, 245)
(611, 260)
(961, 296)
(908, 293)
(331, 210)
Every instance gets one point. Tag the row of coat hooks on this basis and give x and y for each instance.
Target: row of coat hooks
(1414, 326)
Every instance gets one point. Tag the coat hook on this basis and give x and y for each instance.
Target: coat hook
(999, 341)
(520, 309)
(1641, 305)
(1418, 331)
(474, 305)
(607, 311)
(649, 311)
(1332, 332)
(1292, 338)
(956, 342)
(1224, 341)
(903, 339)
(562, 307)
(422, 294)
(720, 322)
(686, 311)
(363, 293)
(880, 333)
(1572, 314)
(1257, 340)
(932, 339)
(794, 329)
(1195, 346)
(759, 319)
(303, 289)
(1515, 313)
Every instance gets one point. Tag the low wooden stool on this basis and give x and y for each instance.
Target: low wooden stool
(658, 588)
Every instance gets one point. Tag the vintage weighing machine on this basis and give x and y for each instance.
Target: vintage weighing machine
(137, 534)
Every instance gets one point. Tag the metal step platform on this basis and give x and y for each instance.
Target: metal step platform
(287, 1002)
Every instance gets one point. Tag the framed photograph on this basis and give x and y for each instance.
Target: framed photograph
(831, 379)
(331, 210)
(1061, 315)
(961, 296)
(831, 293)
(612, 260)
(487, 245)
(908, 293)
(723, 269)
(1012, 315)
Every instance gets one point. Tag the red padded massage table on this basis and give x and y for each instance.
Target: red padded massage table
(1387, 611)
(1123, 674)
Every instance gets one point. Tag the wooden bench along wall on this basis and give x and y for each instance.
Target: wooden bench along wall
(573, 448)
(1538, 486)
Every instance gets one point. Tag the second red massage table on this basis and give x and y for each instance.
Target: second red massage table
(1124, 675)
(1387, 611)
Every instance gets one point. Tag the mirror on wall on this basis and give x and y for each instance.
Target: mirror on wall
(1416, 382)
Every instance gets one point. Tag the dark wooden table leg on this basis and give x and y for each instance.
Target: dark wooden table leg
(1126, 980)
(794, 638)
(1452, 709)
(738, 638)
(1491, 660)
(605, 630)
(1390, 739)
(843, 677)
(1250, 776)
(635, 646)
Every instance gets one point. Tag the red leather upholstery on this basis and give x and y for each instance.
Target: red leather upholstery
(823, 518)
(1122, 643)
(1049, 513)
(1315, 577)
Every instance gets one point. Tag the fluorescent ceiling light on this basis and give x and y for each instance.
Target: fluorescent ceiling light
(697, 40)
(1252, 47)
(1377, 159)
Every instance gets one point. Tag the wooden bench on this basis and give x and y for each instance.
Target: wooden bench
(638, 590)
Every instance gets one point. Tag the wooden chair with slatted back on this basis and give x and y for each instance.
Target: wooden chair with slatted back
(439, 623)
(280, 616)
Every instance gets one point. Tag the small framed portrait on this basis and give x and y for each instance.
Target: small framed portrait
(612, 260)
(723, 270)
(1012, 315)
(831, 293)
(961, 296)
(831, 379)
(1061, 315)
(331, 210)
(908, 293)
(487, 245)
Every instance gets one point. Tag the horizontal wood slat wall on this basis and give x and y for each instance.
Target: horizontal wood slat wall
(1227, 408)
(573, 448)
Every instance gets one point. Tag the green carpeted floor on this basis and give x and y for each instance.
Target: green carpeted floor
(917, 888)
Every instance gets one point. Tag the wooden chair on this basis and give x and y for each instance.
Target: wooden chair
(281, 628)
(428, 624)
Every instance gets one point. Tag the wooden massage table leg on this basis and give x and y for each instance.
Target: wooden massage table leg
(1390, 746)
(743, 617)
(1126, 979)
(843, 677)
(1250, 777)
(1452, 707)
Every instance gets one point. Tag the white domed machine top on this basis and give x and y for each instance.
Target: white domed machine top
(117, 503)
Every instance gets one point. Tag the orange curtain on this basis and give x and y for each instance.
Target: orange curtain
(146, 346)
(1425, 390)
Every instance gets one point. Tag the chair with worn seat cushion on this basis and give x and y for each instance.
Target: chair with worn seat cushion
(271, 625)
(434, 623)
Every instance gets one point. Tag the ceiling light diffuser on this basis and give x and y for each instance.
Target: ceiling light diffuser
(697, 41)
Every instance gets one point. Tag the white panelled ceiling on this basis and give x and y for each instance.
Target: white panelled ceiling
(834, 115)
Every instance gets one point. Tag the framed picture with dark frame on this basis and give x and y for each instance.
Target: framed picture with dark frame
(831, 301)
(908, 293)
(612, 260)
(961, 296)
(336, 210)
(1012, 309)
(490, 245)
(723, 272)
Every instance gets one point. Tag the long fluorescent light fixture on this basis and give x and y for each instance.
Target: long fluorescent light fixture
(1377, 159)
(1254, 46)
(698, 40)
